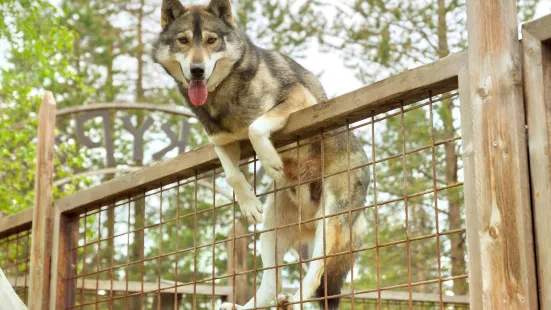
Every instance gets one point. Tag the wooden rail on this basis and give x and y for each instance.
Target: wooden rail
(16, 222)
(168, 287)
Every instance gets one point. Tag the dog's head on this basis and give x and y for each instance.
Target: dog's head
(198, 45)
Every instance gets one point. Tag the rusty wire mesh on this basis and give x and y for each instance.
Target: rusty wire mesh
(186, 246)
(14, 260)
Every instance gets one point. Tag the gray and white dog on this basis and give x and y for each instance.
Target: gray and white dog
(239, 91)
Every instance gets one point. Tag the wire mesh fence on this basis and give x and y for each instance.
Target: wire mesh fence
(14, 260)
(186, 245)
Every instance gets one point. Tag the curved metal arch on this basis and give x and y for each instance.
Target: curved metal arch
(167, 108)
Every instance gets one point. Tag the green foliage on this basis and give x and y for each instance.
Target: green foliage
(380, 38)
(38, 45)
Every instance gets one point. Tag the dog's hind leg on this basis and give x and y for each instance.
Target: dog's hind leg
(334, 268)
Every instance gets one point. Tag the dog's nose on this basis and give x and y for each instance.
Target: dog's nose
(197, 71)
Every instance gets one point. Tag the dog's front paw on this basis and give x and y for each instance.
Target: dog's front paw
(229, 306)
(252, 209)
(283, 302)
(273, 167)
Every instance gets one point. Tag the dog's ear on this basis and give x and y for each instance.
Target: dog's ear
(222, 9)
(171, 10)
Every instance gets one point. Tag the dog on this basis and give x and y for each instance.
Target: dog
(239, 91)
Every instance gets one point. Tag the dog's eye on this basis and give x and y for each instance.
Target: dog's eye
(183, 40)
(211, 40)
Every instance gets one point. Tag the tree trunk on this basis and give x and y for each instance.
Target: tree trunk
(139, 206)
(139, 54)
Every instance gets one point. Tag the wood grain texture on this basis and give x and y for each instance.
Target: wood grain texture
(500, 158)
(16, 222)
(537, 90)
(41, 247)
(410, 86)
(469, 188)
(383, 96)
(540, 28)
(64, 261)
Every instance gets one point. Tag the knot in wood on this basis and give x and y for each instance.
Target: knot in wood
(515, 75)
(494, 232)
(482, 92)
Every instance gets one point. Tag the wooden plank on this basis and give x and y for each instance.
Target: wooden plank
(537, 91)
(16, 222)
(469, 188)
(204, 183)
(410, 86)
(539, 28)
(64, 261)
(416, 297)
(41, 247)
(8, 297)
(226, 290)
(506, 252)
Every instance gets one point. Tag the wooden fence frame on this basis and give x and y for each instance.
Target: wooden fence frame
(536, 41)
(501, 247)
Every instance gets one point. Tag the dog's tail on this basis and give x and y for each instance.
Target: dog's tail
(336, 270)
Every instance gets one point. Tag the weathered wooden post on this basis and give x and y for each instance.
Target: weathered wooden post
(41, 248)
(537, 91)
(499, 219)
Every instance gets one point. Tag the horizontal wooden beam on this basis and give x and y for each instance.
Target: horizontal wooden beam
(410, 86)
(168, 287)
(16, 222)
(407, 87)
(222, 191)
(540, 28)
(171, 109)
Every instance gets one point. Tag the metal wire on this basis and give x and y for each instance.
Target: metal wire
(15, 259)
(198, 221)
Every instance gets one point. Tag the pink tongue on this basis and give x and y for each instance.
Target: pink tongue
(197, 92)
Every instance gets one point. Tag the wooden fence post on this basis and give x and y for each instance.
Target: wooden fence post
(537, 86)
(64, 261)
(500, 241)
(41, 248)
(475, 272)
